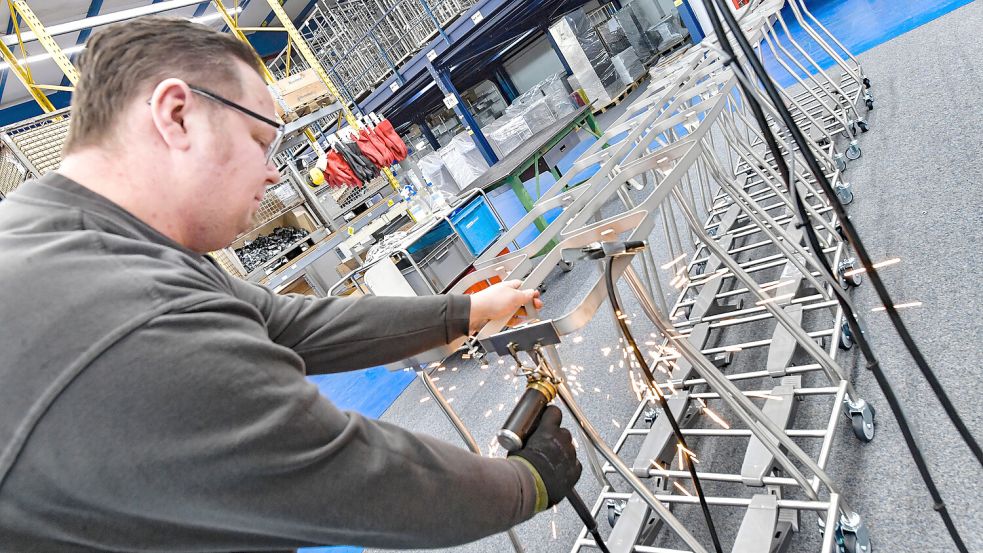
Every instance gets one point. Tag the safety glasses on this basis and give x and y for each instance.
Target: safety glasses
(274, 145)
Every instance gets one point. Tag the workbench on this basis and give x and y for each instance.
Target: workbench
(529, 154)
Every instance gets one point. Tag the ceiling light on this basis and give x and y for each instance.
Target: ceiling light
(78, 48)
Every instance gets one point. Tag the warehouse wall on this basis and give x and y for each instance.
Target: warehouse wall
(533, 64)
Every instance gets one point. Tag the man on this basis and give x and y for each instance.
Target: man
(148, 401)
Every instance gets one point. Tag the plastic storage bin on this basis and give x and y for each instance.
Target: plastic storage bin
(477, 225)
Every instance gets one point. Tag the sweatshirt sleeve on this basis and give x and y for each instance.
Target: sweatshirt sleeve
(342, 334)
(220, 443)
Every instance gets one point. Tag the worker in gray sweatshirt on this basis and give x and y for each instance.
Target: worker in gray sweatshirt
(149, 401)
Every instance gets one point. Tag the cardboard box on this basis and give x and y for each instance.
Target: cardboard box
(301, 89)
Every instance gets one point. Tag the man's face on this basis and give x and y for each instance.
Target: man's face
(229, 168)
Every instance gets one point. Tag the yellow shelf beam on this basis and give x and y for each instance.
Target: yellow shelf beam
(301, 45)
(46, 40)
(24, 76)
(232, 22)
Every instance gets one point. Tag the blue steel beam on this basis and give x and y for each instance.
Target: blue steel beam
(416, 67)
(556, 49)
(436, 22)
(428, 134)
(95, 6)
(201, 8)
(696, 33)
(505, 85)
(443, 79)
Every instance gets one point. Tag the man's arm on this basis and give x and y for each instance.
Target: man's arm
(340, 334)
(197, 433)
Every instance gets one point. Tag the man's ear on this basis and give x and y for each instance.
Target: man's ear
(169, 107)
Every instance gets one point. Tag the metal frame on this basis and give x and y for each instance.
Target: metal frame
(689, 131)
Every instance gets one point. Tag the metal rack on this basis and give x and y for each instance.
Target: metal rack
(361, 42)
(750, 283)
(31, 148)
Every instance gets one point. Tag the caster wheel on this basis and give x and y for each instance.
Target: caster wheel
(839, 231)
(565, 266)
(840, 164)
(846, 337)
(844, 194)
(864, 127)
(541, 288)
(615, 509)
(870, 105)
(866, 83)
(862, 429)
(855, 279)
(698, 269)
(855, 539)
(853, 152)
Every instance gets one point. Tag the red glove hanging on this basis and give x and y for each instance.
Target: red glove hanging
(338, 172)
(396, 145)
(371, 150)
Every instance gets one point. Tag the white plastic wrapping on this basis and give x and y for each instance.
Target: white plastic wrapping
(463, 160)
(538, 115)
(643, 44)
(613, 36)
(628, 66)
(557, 93)
(587, 57)
(506, 134)
(434, 170)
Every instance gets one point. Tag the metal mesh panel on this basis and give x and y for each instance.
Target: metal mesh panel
(278, 199)
(40, 140)
(357, 58)
(225, 259)
(12, 173)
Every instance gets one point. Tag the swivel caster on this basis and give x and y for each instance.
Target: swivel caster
(840, 163)
(866, 83)
(870, 104)
(853, 153)
(615, 508)
(846, 337)
(852, 535)
(853, 280)
(565, 266)
(861, 416)
(844, 193)
(699, 268)
(864, 127)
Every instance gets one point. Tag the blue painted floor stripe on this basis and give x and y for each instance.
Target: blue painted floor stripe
(858, 24)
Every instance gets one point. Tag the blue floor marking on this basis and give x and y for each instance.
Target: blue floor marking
(859, 24)
(368, 392)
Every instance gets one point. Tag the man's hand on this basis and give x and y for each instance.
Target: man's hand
(500, 300)
(549, 452)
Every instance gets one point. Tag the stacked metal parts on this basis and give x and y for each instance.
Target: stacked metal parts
(747, 330)
(357, 41)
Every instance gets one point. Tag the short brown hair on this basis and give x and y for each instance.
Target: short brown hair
(129, 58)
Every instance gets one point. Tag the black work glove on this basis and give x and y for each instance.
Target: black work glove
(550, 453)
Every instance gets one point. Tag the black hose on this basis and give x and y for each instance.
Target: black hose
(853, 238)
(654, 387)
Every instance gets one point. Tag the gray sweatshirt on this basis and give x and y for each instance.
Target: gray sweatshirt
(148, 401)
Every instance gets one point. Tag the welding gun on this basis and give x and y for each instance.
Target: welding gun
(522, 422)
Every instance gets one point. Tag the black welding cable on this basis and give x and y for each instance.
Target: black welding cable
(879, 375)
(854, 239)
(653, 385)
